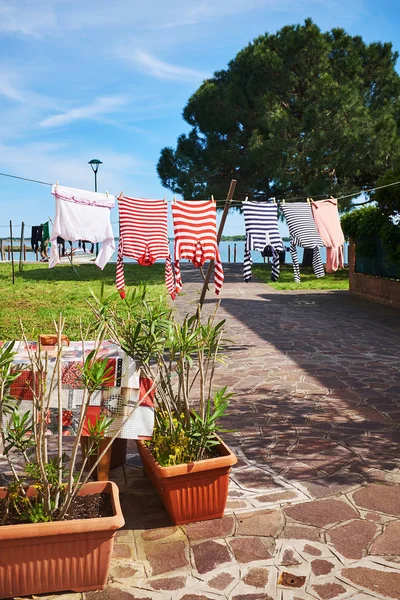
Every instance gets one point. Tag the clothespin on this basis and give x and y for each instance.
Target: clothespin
(283, 201)
(107, 194)
(165, 199)
(174, 200)
(212, 198)
(57, 184)
(273, 200)
(246, 199)
(120, 195)
(308, 200)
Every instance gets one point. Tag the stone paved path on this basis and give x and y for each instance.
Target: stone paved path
(314, 503)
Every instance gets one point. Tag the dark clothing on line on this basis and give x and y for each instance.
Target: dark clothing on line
(36, 237)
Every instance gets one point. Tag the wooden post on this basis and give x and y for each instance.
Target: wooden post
(8, 252)
(229, 253)
(234, 253)
(21, 256)
(219, 235)
(12, 253)
(25, 252)
(1, 249)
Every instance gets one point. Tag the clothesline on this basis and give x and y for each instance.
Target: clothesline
(81, 214)
(233, 203)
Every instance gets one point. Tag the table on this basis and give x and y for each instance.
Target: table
(115, 400)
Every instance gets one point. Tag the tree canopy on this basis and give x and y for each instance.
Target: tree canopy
(388, 198)
(301, 112)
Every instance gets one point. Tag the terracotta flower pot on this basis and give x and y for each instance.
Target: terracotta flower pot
(192, 491)
(62, 555)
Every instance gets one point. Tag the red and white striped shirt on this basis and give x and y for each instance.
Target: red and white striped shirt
(144, 237)
(195, 231)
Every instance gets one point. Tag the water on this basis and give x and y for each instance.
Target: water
(223, 248)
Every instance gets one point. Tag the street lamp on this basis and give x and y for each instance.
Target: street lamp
(95, 163)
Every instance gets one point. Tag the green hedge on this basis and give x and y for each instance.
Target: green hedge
(370, 227)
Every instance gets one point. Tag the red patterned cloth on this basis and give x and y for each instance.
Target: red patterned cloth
(116, 400)
(23, 386)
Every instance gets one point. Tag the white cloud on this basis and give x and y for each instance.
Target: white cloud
(26, 18)
(51, 161)
(151, 65)
(101, 106)
(14, 85)
(55, 18)
(10, 92)
(172, 24)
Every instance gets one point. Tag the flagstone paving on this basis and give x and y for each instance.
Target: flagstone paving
(314, 501)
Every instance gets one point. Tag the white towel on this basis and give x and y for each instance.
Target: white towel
(82, 215)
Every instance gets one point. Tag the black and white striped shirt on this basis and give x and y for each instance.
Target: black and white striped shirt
(262, 233)
(303, 232)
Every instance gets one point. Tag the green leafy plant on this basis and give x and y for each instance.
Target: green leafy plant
(369, 224)
(180, 357)
(55, 480)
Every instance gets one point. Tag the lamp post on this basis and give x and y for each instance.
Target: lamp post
(95, 163)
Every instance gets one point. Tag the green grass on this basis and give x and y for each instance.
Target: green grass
(332, 281)
(40, 294)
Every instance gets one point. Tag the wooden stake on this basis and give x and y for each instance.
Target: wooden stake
(229, 253)
(219, 235)
(1, 249)
(234, 253)
(12, 253)
(21, 256)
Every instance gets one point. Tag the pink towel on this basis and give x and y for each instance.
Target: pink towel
(326, 217)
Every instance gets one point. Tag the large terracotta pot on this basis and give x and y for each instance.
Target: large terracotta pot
(191, 491)
(62, 555)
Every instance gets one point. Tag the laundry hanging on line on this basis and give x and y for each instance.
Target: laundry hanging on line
(327, 221)
(195, 234)
(40, 236)
(262, 233)
(82, 215)
(143, 237)
(303, 232)
(36, 237)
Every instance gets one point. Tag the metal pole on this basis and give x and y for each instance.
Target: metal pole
(12, 253)
(95, 189)
(229, 253)
(219, 235)
(21, 247)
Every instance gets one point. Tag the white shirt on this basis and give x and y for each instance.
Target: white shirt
(82, 215)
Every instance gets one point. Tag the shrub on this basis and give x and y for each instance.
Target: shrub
(369, 224)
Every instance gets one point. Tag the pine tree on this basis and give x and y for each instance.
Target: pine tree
(297, 113)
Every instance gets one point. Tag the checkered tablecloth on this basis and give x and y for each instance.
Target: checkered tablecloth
(123, 391)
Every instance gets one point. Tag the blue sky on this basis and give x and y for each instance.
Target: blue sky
(108, 80)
